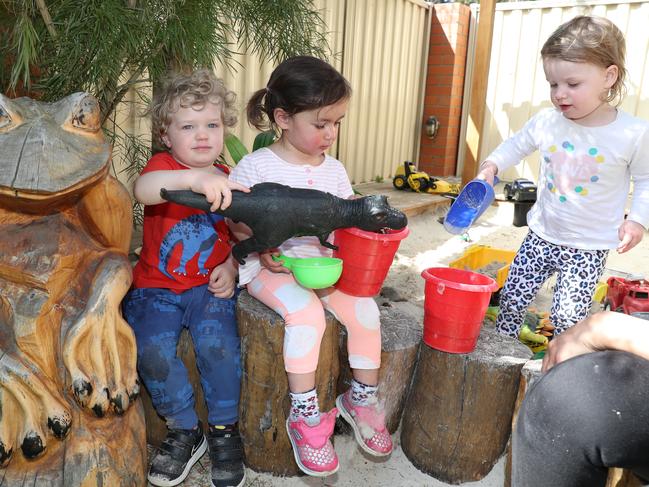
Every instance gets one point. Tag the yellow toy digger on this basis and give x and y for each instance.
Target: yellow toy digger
(407, 176)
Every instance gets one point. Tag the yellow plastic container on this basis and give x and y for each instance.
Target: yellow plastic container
(479, 256)
(600, 292)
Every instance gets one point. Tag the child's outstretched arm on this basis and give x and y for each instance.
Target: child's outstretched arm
(216, 187)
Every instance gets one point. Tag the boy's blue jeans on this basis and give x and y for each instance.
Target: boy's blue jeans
(157, 317)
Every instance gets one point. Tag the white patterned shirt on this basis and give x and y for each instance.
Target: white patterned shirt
(584, 176)
(264, 166)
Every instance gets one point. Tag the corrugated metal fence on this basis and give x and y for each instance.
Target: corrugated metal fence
(380, 47)
(517, 85)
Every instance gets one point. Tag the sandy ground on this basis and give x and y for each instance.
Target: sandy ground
(428, 245)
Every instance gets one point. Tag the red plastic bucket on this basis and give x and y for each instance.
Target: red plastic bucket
(367, 257)
(455, 302)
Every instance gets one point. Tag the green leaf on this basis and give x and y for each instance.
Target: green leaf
(236, 149)
(263, 139)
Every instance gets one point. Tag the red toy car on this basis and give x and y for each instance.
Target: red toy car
(627, 296)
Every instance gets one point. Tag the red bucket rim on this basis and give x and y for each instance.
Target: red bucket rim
(487, 285)
(390, 236)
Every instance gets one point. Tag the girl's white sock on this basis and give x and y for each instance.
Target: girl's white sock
(305, 405)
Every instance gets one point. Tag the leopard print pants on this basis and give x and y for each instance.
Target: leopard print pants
(578, 273)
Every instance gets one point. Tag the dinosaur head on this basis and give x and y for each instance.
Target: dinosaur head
(377, 214)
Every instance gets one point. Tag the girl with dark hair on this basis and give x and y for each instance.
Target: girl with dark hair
(305, 101)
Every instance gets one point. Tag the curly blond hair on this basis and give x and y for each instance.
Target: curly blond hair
(593, 40)
(190, 90)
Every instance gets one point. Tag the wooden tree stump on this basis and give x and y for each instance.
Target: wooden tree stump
(457, 418)
(530, 372)
(265, 402)
(156, 428)
(400, 338)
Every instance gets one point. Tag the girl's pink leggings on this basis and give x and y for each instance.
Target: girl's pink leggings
(303, 311)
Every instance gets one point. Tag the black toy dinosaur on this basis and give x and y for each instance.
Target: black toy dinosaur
(275, 212)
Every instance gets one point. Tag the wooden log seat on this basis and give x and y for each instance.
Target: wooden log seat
(400, 338)
(457, 419)
(265, 402)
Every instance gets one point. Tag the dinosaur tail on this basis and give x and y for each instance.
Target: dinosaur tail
(186, 198)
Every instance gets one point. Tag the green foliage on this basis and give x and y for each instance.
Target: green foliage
(378, 178)
(264, 139)
(237, 150)
(52, 48)
(107, 46)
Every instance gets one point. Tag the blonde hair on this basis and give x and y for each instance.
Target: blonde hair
(593, 40)
(193, 90)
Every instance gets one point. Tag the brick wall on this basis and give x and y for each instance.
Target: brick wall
(444, 86)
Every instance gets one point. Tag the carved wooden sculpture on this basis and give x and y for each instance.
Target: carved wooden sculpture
(67, 358)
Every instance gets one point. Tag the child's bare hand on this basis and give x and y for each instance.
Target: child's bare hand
(266, 259)
(217, 188)
(223, 280)
(630, 234)
(488, 171)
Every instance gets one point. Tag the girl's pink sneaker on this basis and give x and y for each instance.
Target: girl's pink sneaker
(368, 423)
(312, 448)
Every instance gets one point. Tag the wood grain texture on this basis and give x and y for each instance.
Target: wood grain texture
(265, 402)
(400, 340)
(457, 419)
(479, 80)
(69, 413)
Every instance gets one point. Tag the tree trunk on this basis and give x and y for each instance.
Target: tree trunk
(458, 415)
(264, 386)
(400, 338)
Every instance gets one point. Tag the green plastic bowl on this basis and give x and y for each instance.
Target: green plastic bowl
(313, 272)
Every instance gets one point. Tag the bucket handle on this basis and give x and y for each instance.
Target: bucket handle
(440, 288)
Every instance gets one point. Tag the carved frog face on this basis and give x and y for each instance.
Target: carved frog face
(49, 150)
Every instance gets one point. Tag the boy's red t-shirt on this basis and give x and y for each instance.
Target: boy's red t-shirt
(180, 245)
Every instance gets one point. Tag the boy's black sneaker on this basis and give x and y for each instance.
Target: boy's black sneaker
(226, 454)
(175, 457)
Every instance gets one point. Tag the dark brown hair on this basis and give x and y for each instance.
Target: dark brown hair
(297, 84)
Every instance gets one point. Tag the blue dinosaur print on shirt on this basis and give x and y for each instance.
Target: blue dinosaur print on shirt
(197, 236)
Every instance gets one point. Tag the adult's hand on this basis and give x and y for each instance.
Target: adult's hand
(577, 340)
(607, 330)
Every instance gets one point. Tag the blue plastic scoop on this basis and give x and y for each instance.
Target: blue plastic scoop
(472, 201)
